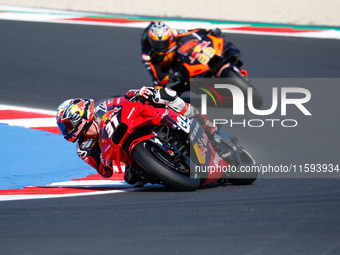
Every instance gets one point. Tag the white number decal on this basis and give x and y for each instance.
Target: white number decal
(109, 127)
(183, 123)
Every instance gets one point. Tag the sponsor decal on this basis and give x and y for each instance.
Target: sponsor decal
(200, 157)
(113, 112)
(170, 152)
(112, 121)
(183, 123)
(200, 148)
(202, 53)
(81, 105)
(194, 131)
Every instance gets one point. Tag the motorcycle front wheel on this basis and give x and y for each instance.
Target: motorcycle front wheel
(246, 177)
(155, 162)
(239, 81)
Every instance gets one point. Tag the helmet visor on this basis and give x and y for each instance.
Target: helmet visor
(161, 45)
(67, 128)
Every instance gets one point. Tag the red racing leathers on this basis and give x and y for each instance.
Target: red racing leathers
(88, 147)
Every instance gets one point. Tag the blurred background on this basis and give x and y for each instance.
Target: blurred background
(299, 12)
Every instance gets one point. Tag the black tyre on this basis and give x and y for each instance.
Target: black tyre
(241, 82)
(244, 178)
(242, 181)
(154, 161)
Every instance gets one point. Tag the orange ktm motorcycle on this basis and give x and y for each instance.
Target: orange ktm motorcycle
(208, 56)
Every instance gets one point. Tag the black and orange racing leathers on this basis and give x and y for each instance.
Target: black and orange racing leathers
(163, 66)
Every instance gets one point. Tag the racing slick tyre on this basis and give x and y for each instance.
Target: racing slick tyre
(246, 177)
(154, 161)
(242, 83)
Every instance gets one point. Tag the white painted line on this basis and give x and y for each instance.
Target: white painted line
(24, 197)
(91, 183)
(40, 10)
(31, 122)
(26, 109)
(38, 17)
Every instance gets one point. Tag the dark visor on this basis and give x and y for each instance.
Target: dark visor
(159, 45)
(66, 128)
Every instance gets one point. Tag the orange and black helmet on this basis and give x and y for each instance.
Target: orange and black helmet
(160, 37)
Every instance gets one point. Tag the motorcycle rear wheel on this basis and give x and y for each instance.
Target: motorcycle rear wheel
(239, 81)
(148, 157)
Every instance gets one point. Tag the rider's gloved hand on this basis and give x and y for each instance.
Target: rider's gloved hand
(145, 92)
(215, 32)
(164, 96)
(170, 98)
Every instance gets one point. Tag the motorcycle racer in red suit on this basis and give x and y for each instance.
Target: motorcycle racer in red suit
(78, 121)
(159, 50)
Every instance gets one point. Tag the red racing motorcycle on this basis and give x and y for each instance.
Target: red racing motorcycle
(172, 149)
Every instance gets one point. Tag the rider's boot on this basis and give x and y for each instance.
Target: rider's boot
(134, 175)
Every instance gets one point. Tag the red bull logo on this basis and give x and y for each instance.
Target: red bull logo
(198, 50)
(81, 105)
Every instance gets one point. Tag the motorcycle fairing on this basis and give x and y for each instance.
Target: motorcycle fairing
(205, 56)
(204, 156)
(125, 125)
(196, 55)
(186, 47)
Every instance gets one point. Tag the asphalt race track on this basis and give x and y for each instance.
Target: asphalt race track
(43, 64)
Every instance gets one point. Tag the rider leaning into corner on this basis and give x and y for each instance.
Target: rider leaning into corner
(159, 48)
(78, 121)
